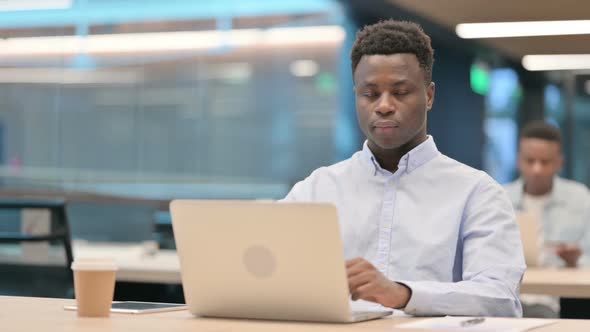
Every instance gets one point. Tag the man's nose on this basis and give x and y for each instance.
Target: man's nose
(537, 168)
(385, 104)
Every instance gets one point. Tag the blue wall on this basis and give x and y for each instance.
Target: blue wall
(456, 120)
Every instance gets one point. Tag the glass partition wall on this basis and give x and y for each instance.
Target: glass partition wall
(238, 107)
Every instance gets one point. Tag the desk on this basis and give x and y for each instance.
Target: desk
(41, 314)
(570, 283)
(163, 267)
(136, 264)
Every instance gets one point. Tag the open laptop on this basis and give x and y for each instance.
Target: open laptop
(263, 260)
(529, 235)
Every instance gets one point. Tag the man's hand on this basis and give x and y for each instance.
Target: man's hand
(570, 253)
(367, 283)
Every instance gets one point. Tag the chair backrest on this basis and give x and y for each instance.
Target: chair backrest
(38, 279)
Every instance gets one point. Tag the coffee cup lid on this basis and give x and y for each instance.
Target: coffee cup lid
(94, 264)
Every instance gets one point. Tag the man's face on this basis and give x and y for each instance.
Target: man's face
(392, 99)
(538, 162)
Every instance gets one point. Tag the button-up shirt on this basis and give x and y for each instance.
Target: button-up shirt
(444, 229)
(565, 217)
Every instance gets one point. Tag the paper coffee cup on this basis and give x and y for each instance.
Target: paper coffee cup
(94, 285)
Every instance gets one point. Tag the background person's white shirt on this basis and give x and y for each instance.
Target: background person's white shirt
(535, 204)
(564, 217)
(442, 228)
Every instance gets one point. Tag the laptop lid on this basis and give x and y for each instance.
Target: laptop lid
(529, 234)
(263, 260)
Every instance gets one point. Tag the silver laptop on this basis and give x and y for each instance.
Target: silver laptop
(263, 260)
(529, 234)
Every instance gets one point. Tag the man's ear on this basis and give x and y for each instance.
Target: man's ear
(430, 95)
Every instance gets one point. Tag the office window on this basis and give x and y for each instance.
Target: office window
(245, 113)
(500, 125)
(579, 137)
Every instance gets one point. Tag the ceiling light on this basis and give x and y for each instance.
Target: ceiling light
(522, 29)
(304, 68)
(169, 41)
(68, 76)
(19, 5)
(304, 35)
(556, 62)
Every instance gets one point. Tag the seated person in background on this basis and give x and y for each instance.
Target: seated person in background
(562, 208)
(421, 231)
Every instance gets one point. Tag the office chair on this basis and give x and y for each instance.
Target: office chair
(37, 279)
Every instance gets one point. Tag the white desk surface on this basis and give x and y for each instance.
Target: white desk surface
(139, 264)
(40, 314)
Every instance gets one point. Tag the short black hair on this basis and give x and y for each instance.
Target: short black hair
(541, 130)
(393, 37)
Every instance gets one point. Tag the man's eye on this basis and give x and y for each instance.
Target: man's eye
(369, 94)
(401, 93)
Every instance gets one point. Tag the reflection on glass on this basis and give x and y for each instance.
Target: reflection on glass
(171, 108)
(500, 125)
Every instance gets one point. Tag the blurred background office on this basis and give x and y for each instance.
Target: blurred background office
(118, 106)
(239, 99)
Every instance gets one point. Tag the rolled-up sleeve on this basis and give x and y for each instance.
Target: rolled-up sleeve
(492, 261)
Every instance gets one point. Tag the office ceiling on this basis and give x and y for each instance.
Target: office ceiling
(449, 13)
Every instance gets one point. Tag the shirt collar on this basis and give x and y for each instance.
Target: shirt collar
(415, 158)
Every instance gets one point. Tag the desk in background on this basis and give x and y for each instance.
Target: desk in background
(162, 266)
(145, 273)
(572, 283)
(136, 264)
(140, 263)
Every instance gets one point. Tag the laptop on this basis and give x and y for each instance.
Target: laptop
(263, 260)
(529, 235)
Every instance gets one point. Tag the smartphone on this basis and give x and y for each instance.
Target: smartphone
(134, 307)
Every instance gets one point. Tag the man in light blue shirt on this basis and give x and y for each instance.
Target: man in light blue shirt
(421, 231)
(562, 208)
